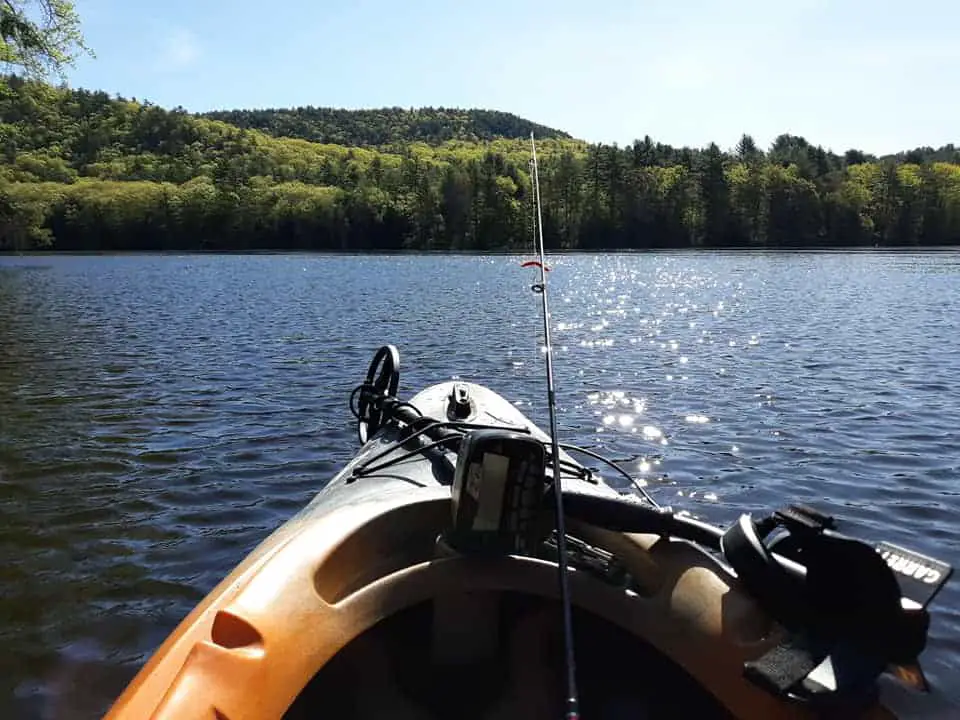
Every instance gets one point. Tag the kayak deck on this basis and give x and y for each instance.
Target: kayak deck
(358, 608)
(265, 632)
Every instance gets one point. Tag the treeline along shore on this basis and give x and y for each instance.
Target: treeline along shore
(82, 170)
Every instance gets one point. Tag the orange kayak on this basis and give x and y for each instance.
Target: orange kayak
(422, 582)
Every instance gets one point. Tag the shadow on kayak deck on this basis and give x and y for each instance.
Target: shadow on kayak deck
(390, 671)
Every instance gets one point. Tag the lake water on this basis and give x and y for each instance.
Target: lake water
(159, 415)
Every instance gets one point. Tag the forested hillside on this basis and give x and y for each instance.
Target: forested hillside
(82, 170)
(387, 126)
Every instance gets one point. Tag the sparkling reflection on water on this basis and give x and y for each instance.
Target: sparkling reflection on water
(159, 415)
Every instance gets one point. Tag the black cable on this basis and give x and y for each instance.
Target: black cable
(611, 463)
(434, 425)
(355, 411)
(572, 468)
(368, 470)
(404, 403)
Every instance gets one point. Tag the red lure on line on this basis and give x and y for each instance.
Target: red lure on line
(535, 263)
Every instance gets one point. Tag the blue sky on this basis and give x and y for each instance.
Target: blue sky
(879, 75)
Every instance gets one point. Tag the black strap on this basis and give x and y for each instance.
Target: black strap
(780, 594)
(785, 665)
(848, 607)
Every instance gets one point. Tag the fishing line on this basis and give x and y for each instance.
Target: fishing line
(572, 702)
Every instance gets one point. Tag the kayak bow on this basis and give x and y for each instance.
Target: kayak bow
(421, 582)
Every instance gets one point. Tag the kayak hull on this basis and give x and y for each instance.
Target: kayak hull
(366, 550)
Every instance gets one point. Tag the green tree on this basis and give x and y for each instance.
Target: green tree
(715, 196)
(794, 208)
(40, 36)
(747, 150)
(749, 199)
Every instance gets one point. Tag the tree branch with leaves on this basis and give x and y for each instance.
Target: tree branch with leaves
(40, 37)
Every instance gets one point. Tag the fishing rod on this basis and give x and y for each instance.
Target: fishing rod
(572, 702)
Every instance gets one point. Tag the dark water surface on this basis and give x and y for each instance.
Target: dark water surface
(159, 415)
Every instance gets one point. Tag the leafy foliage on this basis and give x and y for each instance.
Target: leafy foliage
(82, 170)
(39, 36)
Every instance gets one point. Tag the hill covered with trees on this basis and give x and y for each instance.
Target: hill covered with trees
(81, 170)
(386, 126)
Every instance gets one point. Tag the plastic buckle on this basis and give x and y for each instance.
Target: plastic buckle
(803, 519)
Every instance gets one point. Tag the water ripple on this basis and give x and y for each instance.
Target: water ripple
(159, 415)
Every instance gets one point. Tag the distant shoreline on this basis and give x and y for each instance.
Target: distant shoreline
(852, 249)
(87, 172)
